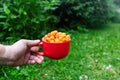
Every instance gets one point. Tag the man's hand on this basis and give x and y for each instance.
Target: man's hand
(22, 52)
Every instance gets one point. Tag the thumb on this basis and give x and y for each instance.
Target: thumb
(31, 43)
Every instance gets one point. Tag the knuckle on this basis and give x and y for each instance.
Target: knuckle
(23, 40)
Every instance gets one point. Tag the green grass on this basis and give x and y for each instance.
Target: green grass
(94, 55)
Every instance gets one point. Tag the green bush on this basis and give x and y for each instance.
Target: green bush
(117, 2)
(89, 13)
(28, 19)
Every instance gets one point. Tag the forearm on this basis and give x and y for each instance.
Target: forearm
(2, 51)
(4, 56)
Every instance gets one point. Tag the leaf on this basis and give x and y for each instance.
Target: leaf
(6, 10)
(1, 16)
(10, 38)
(21, 10)
(1, 35)
(12, 16)
(1, 10)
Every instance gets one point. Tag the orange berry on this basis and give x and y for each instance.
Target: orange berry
(52, 41)
(59, 33)
(68, 37)
(44, 39)
(54, 32)
(60, 38)
(62, 35)
(49, 34)
(57, 40)
(51, 37)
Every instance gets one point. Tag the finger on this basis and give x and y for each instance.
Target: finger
(31, 62)
(34, 49)
(31, 43)
(40, 57)
(37, 59)
(32, 57)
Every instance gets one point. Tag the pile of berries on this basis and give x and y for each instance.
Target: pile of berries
(56, 37)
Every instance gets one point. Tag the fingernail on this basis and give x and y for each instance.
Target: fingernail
(39, 61)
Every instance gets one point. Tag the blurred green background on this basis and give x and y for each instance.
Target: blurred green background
(94, 28)
(34, 18)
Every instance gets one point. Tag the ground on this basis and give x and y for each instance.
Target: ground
(94, 55)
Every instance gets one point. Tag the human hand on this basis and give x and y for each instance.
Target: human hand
(22, 52)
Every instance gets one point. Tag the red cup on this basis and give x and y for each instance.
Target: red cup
(55, 50)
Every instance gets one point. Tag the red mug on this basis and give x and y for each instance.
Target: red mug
(54, 50)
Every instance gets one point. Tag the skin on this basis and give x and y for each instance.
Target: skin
(20, 53)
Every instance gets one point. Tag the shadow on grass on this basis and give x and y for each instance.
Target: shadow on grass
(105, 26)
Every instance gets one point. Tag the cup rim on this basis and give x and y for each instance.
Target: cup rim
(56, 43)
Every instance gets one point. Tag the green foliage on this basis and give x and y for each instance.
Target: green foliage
(26, 18)
(93, 56)
(117, 2)
(90, 13)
